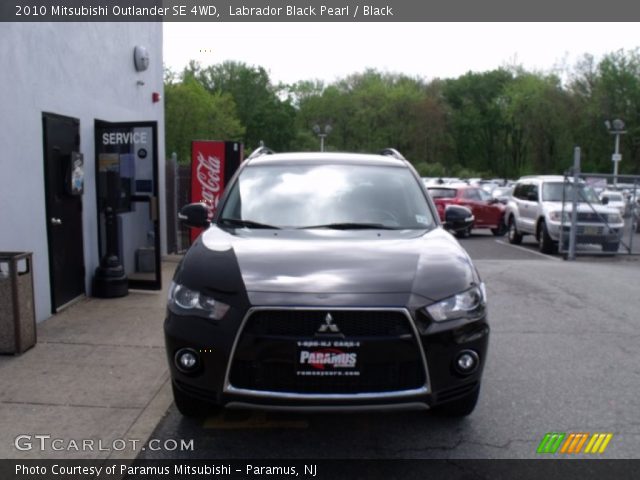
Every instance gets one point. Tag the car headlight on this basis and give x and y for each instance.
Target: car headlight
(560, 216)
(468, 304)
(614, 218)
(184, 301)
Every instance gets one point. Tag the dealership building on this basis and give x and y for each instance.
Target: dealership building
(82, 149)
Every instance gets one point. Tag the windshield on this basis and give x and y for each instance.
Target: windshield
(552, 192)
(327, 195)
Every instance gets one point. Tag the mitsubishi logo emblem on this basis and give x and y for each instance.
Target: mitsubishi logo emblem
(328, 326)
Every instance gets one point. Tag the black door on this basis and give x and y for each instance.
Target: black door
(64, 209)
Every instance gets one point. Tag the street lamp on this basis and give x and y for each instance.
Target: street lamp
(322, 133)
(616, 128)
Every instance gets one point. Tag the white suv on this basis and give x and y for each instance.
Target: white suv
(536, 208)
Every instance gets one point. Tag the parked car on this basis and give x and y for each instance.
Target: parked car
(536, 208)
(614, 199)
(325, 281)
(502, 194)
(488, 212)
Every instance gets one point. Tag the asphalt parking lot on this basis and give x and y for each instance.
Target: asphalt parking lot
(563, 357)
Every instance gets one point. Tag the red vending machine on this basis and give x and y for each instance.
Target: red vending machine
(213, 163)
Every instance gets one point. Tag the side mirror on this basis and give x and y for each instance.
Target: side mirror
(457, 217)
(195, 215)
(605, 200)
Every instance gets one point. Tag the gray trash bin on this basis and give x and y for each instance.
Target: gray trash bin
(17, 310)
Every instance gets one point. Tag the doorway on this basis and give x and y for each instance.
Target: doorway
(63, 176)
(127, 182)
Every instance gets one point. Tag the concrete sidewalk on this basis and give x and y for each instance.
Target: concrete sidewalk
(98, 372)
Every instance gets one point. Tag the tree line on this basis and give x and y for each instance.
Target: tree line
(503, 123)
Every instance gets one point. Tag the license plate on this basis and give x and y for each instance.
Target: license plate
(333, 358)
(591, 230)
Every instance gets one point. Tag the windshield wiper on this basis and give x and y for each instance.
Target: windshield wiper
(351, 226)
(239, 222)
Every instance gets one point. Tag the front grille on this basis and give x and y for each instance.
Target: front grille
(266, 357)
(281, 377)
(305, 323)
(591, 217)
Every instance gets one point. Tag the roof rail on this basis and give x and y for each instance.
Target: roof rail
(261, 150)
(392, 152)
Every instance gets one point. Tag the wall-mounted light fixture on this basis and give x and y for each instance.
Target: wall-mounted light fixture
(140, 58)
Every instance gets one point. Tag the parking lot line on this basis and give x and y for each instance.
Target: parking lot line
(550, 257)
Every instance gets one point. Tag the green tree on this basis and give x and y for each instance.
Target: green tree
(265, 116)
(371, 110)
(192, 113)
(477, 116)
(617, 95)
(604, 91)
(537, 114)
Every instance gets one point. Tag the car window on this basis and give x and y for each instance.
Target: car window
(557, 191)
(304, 195)
(484, 195)
(442, 192)
(472, 194)
(521, 190)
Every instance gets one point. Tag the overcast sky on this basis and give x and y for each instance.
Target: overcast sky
(330, 51)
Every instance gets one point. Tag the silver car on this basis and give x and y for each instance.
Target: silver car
(542, 206)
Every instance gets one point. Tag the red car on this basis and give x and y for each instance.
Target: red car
(488, 211)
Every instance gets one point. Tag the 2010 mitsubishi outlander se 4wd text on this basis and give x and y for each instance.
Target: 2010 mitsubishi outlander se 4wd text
(325, 281)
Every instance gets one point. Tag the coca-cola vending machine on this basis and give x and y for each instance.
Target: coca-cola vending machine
(213, 163)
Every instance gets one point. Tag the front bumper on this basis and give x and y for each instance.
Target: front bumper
(220, 344)
(596, 233)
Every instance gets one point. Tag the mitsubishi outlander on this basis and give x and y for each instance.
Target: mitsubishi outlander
(325, 281)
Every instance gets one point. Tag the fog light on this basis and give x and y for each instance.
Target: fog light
(186, 360)
(467, 362)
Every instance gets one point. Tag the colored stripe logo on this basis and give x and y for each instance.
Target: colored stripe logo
(573, 443)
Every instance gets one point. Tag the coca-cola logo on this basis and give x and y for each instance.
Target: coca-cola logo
(208, 176)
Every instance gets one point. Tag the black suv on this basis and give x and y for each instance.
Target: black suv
(325, 280)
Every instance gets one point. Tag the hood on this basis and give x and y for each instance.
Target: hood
(582, 207)
(430, 264)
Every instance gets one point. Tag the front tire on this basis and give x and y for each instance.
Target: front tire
(464, 233)
(611, 247)
(515, 237)
(459, 408)
(546, 243)
(500, 230)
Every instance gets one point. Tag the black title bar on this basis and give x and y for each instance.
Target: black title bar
(317, 11)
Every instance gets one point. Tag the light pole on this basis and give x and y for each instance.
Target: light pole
(322, 133)
(616, 128)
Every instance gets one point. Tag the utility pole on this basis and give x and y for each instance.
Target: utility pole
(322, 133)
(616, 128)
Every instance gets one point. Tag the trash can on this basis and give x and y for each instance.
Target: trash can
(17, 310)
